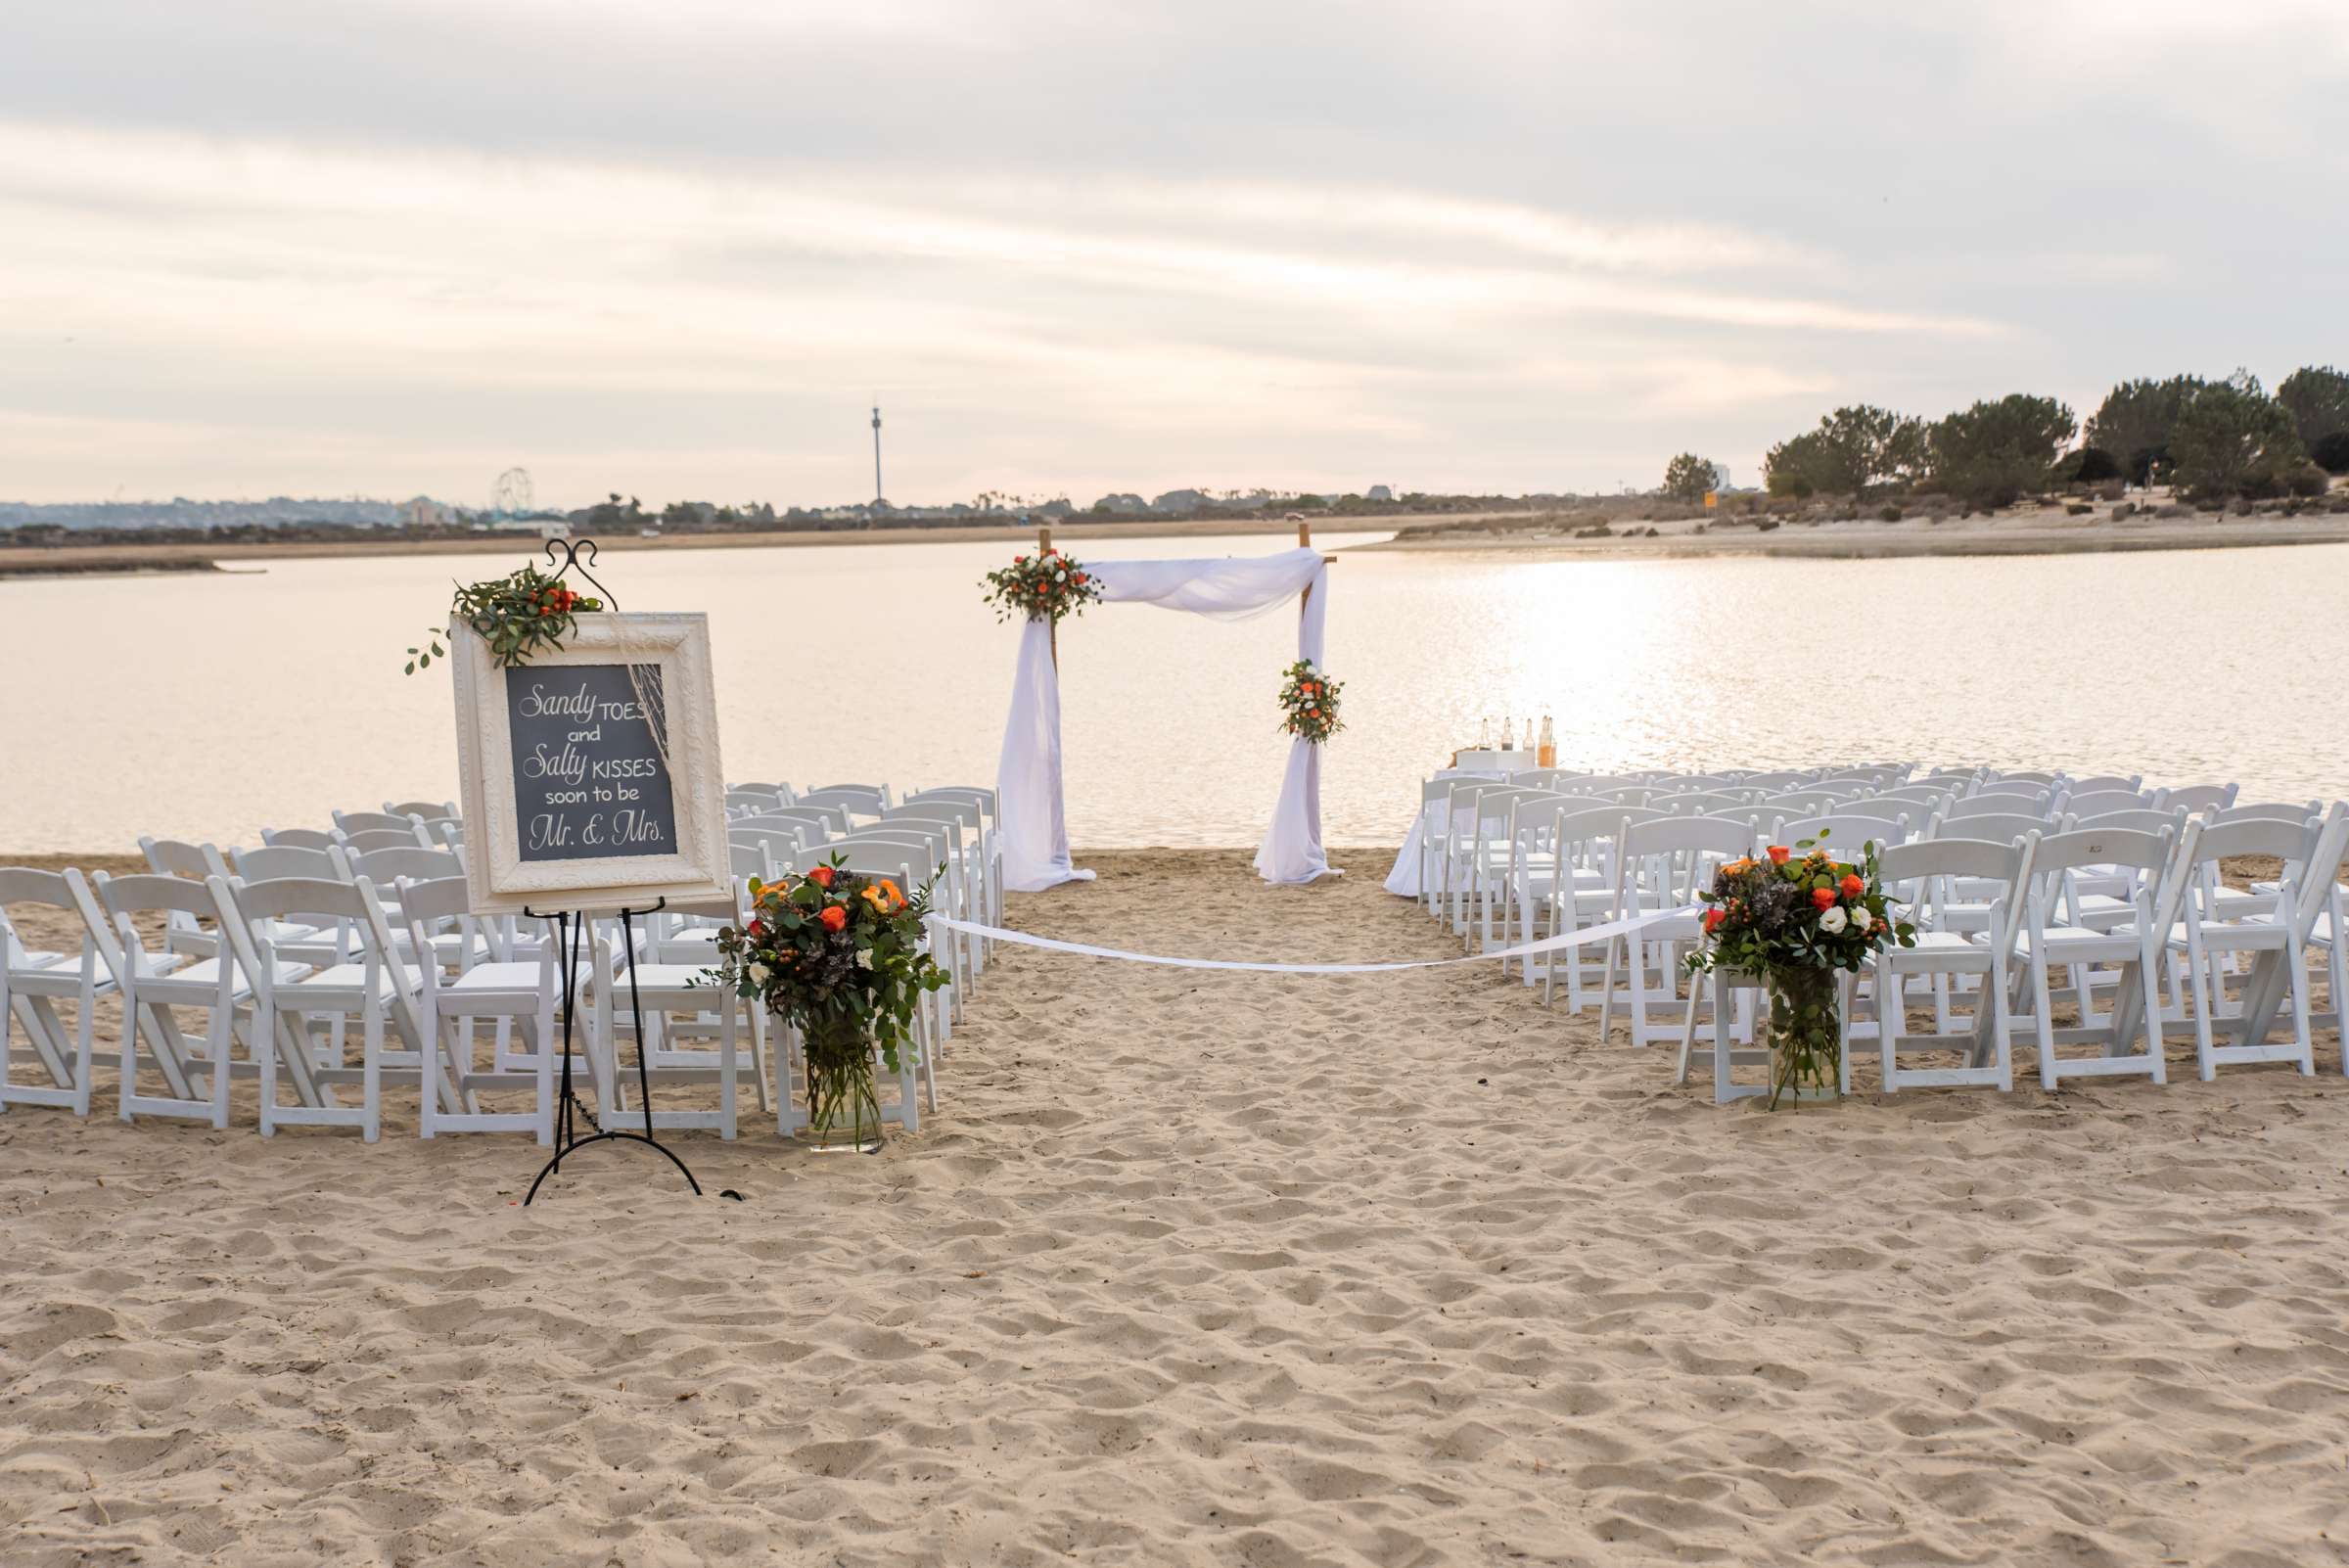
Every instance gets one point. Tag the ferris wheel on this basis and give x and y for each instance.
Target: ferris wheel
(511, 494)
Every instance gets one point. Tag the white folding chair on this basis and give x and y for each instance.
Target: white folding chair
(1918, 875)
(32, 980)
(1663, 864)
(2054, 935)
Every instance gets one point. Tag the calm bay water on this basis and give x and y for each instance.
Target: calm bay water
(208, 705)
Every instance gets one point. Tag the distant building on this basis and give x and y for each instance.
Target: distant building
(1378, 493)
(423, 512)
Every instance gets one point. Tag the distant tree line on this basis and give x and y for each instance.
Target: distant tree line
(2213, 440)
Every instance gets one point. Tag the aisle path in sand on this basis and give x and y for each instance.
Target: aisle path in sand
(1394, 1269)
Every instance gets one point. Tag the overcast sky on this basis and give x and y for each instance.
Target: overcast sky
(676, 247)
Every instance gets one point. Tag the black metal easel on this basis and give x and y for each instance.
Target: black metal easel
(572, 935)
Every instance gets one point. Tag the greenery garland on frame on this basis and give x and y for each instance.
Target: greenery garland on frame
(1308, 702)
(517, 616)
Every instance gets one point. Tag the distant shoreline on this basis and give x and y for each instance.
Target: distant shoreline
(2039, 531)
(74, 559)
(2042, 531)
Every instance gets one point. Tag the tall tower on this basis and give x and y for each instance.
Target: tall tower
(878, 492)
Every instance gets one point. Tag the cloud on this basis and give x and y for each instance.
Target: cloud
(1152, 244)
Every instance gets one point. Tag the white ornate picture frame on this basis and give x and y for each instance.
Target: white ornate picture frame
(512, 862)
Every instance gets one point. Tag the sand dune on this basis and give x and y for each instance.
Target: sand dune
(1398, 1269)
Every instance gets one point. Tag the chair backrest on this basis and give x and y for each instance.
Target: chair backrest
(2021, 776)
(175, 857)
(817, 825)
(2032, 804)
(367, 839)
(428, 810)
(749, 859)
(1780, 781)
(779, 843)
(2202, 797)
(964, 814)
(300, 837)
(901, 862)
(1799, 802)
(2285, 838)
(782, 792)
(287, 898)
(366, 821)
(1995, 827)
(984, 799)
(1905, 794)
(130, 895)
(1669, 860)
(2269, 810)
(747, 802)
(1841, 831)
(384, 867)
(863, 799)
(1696, 803)
(1923, 872)
(2096, 802)
(2101, 782)
(276, 862)
(25, 885)
(2129, 849)
(2142, 819)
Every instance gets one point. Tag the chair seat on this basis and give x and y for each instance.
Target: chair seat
(513, 976)
(344, 978)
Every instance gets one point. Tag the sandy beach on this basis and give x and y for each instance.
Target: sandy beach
(2020, 530)
(1193, 1268)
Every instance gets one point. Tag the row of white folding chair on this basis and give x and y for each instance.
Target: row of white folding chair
(2041, 921)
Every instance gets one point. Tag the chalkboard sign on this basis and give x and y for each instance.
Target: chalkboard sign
(590, 774)
(590, 780)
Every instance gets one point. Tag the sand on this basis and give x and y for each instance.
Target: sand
(1224, 1268)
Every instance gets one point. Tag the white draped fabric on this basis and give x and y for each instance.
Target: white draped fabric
(1033, 831)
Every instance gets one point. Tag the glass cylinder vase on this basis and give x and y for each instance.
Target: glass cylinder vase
(843, 1113)
(1805, 1033)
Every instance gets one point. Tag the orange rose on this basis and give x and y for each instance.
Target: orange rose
(1852, 887)
(1712, 920)
(834, 917)
(822, 876)
(1779, 853)
(1824, 897)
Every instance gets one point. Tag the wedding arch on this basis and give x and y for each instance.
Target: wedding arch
(1032, 832)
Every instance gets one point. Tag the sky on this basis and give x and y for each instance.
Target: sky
(679, 248)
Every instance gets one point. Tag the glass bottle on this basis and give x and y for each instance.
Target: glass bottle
(1548, 755)
(1508, 733)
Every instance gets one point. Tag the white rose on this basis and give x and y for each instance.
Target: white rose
(1833, 920)
(1860, 918)
(758, 974)
(1060, 577)
(864, 960)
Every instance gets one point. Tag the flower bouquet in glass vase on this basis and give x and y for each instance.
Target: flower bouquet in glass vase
(1794, 918)
(841, 957)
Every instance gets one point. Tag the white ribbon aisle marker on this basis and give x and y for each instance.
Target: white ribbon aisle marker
(1574, 938)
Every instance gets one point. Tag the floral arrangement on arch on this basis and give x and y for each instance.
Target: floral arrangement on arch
(1309, 703)
(517, 616)
(840, 955)
(1795, 917)
(1044, 587)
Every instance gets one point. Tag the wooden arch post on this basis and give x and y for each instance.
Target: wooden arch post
(1044, 547)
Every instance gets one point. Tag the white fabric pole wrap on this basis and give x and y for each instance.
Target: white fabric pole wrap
(1032, 824)
(1572, 939)
(1033, 831)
